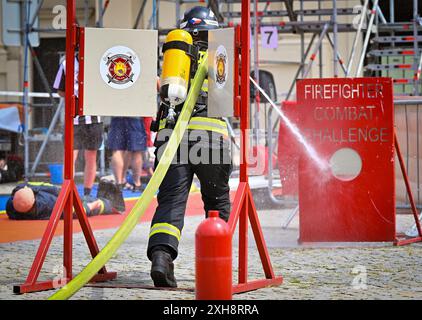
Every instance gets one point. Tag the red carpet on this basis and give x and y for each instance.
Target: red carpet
(11, 230)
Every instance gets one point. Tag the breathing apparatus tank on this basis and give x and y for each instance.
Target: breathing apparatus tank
(178, 53)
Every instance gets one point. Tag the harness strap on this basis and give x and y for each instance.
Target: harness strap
(190, 50)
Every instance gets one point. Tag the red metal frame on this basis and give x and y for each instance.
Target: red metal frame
(81, 76)
(68, 198)
(244, 207)
(398, 241)
(236, 85)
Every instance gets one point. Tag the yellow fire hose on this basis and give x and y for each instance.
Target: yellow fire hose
(143, 202)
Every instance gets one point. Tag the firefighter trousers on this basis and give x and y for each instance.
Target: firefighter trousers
(168, 220)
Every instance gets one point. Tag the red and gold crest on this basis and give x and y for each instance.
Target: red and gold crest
(120, 69)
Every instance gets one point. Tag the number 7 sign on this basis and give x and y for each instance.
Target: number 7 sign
(269, 37)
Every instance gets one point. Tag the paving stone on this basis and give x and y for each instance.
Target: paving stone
(311, 272)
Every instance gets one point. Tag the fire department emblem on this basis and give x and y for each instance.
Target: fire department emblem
(221, 68)
(120, 67)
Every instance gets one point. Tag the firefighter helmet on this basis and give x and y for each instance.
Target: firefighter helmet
(199, 18)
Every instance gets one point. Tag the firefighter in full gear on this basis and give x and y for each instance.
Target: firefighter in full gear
(204, 150)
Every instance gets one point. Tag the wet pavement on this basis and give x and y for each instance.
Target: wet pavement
(323, 271)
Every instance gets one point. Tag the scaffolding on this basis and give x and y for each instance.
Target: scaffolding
(28, 27)
(391, 49)
(53, 132)
(322, 24)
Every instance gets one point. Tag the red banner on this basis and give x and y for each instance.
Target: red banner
(346, 168)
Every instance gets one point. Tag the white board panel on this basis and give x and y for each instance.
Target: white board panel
(120, 77)
(220, 72)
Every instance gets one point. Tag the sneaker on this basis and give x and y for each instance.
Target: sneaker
(139, 188)
(162, 270)
(127, 187)
(413, 231)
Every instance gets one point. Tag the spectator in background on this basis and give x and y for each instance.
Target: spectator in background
(148, 164)
(88, 131)
(148, 157)
(11, 169)
(127, 140)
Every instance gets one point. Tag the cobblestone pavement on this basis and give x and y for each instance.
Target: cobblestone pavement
(358, 271)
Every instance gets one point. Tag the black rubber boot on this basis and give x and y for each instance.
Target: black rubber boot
(162, 270)
(110, 191)
(105, 190)
(118, 200)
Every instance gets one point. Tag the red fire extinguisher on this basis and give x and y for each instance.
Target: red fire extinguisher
(213, 269)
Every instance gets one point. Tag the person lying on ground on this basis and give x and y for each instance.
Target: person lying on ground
(35, 201)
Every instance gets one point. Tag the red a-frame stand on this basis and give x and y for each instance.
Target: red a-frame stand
(243, 207)
(68, 198)
(403, 241)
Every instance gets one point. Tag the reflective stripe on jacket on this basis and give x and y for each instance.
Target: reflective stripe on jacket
(204, 123)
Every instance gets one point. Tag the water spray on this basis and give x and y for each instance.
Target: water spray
(323, 165)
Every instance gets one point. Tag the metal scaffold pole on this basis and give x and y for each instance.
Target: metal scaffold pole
(256, 72)
(140, 13)
(102, 10)
(366, 42)
(415, 47)
(301, 67)
(392, 11)
(100, 17)
(25, 101)
(86, 12)
(336, 54)
(357, 36)
(416, 85)
(302, 40)
(335, 34)
(178, 13)
(29, 16)
(318, 45)
(157, 15)
(320, 60)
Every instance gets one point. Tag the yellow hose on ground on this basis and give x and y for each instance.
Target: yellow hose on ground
(143, 202)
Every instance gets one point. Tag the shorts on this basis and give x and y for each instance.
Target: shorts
(88, 136)
(127, 134)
